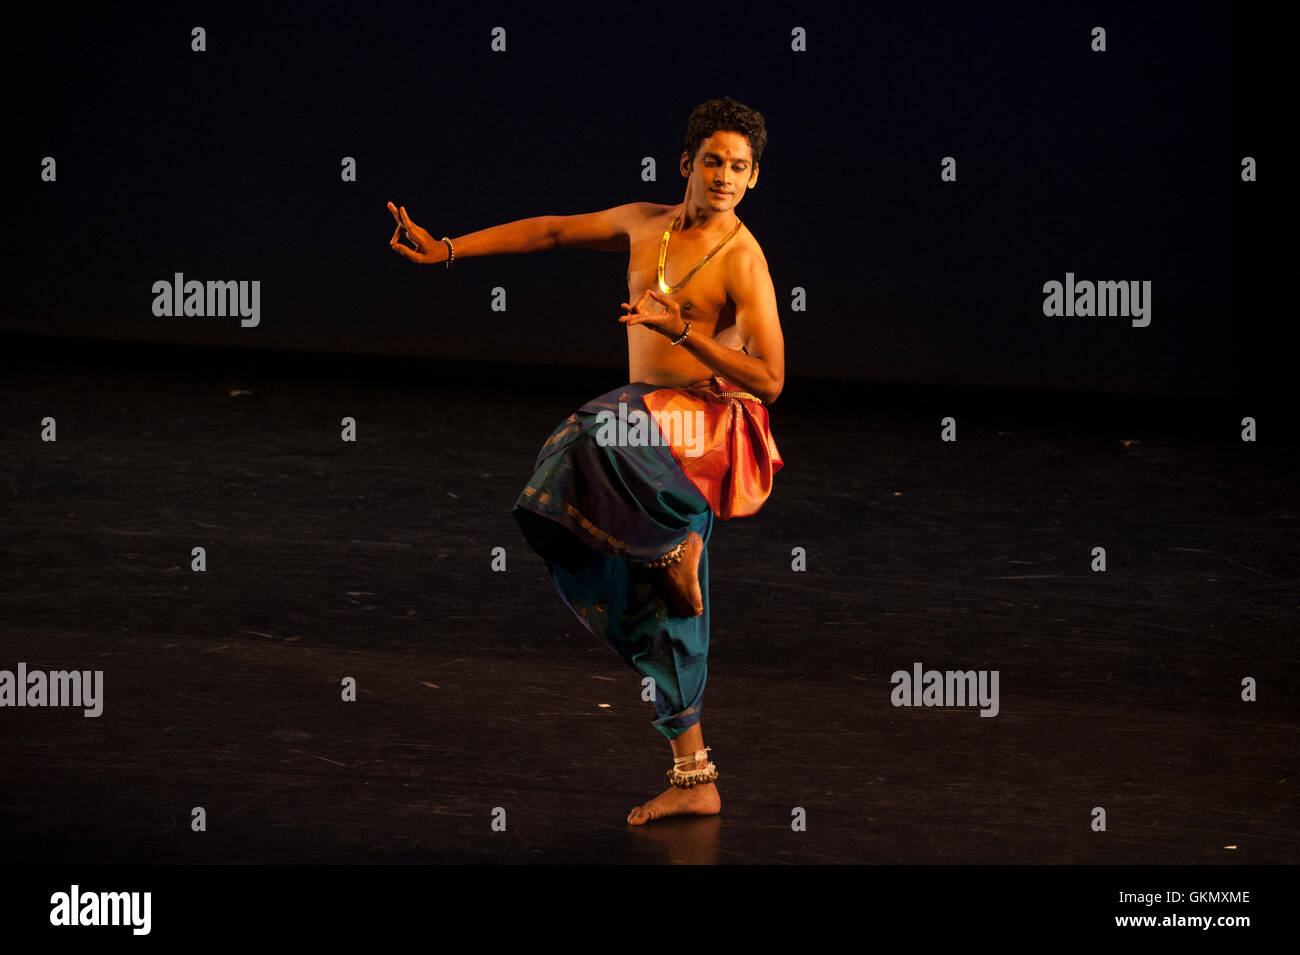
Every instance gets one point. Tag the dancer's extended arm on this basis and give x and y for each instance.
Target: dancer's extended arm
(606, 230)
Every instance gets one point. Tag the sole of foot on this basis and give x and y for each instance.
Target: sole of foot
(682, 580)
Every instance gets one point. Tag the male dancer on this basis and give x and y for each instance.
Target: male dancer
(622, 514)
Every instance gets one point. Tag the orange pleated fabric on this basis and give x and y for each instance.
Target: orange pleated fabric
(738, 453)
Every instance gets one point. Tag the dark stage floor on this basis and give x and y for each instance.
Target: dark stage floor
(478, 690)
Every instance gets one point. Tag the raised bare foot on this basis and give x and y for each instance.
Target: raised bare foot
(676, 801)
(681, 580)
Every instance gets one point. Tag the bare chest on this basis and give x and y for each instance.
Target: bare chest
(703, 299)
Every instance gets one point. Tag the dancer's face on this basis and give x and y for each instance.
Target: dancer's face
(723, 168)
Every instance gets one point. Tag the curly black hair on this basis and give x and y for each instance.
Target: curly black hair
(728, 116)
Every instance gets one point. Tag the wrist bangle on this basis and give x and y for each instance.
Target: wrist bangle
(682, 337)
(452, 257)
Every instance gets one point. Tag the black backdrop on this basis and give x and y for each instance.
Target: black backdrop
(225, 164)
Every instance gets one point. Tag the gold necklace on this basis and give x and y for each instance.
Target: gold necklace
(664, 287)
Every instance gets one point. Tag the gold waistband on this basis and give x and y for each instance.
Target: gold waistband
(709, 383)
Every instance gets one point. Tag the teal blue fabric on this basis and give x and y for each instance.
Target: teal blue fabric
(596, 513)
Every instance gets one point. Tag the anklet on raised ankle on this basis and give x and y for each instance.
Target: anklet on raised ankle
(672, 557)
(692, 777)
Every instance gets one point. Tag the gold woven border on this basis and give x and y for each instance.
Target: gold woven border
(586, 524)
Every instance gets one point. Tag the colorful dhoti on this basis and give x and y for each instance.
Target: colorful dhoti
(623, 480)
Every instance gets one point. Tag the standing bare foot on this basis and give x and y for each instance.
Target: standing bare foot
(675, 801)
(681, 580)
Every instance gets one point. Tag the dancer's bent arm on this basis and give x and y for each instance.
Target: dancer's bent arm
(761, 368)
